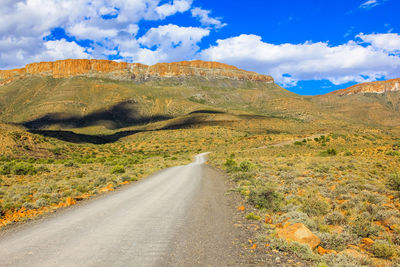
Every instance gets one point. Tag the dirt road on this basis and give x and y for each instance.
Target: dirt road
(174, 218)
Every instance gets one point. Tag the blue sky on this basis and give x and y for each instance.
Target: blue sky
(308, 46)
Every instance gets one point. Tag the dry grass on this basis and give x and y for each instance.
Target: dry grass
(343, 187)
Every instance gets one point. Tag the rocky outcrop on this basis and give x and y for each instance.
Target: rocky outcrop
(379, 87)
(300, 233)
(132, 71)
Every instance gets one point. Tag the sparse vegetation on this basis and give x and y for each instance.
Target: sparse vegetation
(343, 186)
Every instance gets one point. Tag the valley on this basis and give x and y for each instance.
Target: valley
(73, 130)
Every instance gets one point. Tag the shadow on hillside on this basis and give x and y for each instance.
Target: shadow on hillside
(198, 118)
(69, 136)
(206, 111)
(124, 114)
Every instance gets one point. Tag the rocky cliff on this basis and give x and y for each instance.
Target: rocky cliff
(132, 71)
(379, 87)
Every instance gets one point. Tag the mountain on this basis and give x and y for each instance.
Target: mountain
(131, 71)
(93, 96)
(379, 87)
(372, 103)
(71, 94)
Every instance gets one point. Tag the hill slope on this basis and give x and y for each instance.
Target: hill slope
(81, 93)
(374, 103)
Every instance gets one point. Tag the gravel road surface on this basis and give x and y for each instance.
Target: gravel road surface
(177, 217)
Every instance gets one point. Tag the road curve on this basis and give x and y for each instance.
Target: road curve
(174, 218)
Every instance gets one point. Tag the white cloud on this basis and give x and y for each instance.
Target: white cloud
(205, 19)
(387, 41)
(170, 43)
(83, 31)
(62, 49)
(24, 24)
(369, 4)
(306, 61)
(177, 6)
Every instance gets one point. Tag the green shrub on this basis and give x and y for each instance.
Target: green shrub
(363, 227)
(43, 169)
(315, 206)
(118, 169)
(127, 178)
(239, 176)
(337, 242)
(5, 169)
(329, 152)
(230, 164)
(22, 168)
(394, 181)
(252, 216)
(298, 143)
(100, 181)
(393, 153)
(266, 197)
(382, 249)
(335, 218)
(300, 250)
(245, 166)
(69, 164)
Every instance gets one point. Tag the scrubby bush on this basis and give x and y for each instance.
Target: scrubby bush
(315, 205)
(242, 176)
(69, 164)
(100, 181)
(302, 251)
(363, 227)
(337, 242)
(335, 218)
(43, 169)
(118, 169)
(394, 181)
(230, 164)
(245, 166)
(329, 152)
(266, 197)
(127, 178)
(22, 168)
(382, 249)
(252, 216)
(342, 260)
(5, 169)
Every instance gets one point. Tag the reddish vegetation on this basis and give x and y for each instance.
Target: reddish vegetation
(371, 87)
(123, 70)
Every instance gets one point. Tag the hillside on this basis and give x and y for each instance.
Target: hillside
(84, 93)
(373, 104)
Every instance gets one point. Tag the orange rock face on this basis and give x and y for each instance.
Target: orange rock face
(379, 87)
(133, 71)
(300, 233)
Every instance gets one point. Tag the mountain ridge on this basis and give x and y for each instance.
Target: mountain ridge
(131, 71)
(378, 87)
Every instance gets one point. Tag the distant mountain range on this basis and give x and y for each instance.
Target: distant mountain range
(70, 94)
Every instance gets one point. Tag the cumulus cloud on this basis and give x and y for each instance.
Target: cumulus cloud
(170, 42)
(177, 6)
(205, 19)
(386, 41)
(62, 49)
(107, 25)
(289, 63)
